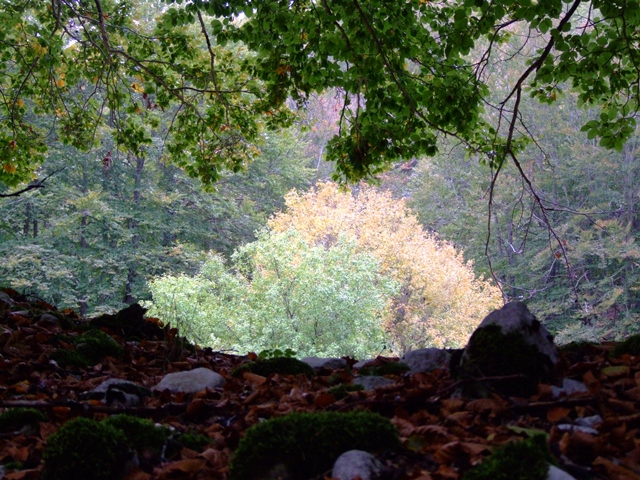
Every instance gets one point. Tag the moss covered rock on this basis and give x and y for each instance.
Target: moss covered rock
(509, 341)
(525, 460)
(85, 449)
(140, 433)
(307, 444)
(90, 348)
(16, 418)
(630, 346)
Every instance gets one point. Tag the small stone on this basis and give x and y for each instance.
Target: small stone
(567, 427)
(356, 464)
(372, 382)
(115, 391)
(591, 421)
(556, 474)
(325, 362)
(191, 381)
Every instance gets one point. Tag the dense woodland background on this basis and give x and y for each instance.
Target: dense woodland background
(111, 221)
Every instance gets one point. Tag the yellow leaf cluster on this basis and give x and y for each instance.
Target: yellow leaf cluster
(441, 300)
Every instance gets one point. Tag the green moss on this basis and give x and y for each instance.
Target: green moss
(194, 441)
(630, 346)
(282, 365)
(85, 449)
(307, 444)
(342, 390)
(525, 460)
(90, 348)
(491, 353)
(95, 344)
(391, 368)
(17, 418)
(140, 432)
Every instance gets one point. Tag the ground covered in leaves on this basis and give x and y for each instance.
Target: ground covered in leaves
(443, 435)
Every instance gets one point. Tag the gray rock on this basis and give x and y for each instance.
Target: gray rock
(568, 427)
(556, 474)
(426, 359)
(191, 381)
(569, 386)
(115, 391)
(363, 363)
(356, 463)
(371, 382)
(591, 421)
(516, 317)
(5, 298)
(325, 362)
(49, 319)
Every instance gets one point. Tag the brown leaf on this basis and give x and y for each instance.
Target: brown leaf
(557, 413)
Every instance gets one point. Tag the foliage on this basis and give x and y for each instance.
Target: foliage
(341, 391)
(84, 448)
(308, 443)
(525, 460)
(440, 301)
(284, 293)
(407, 73)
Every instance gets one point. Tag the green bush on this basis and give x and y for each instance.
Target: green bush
(630, 346)
(307, 444)
(90, 348)
(140, 432)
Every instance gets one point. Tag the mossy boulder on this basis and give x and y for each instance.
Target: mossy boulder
(307, 444)
(509, 342)
(282, 365)
(524, 460)
(85, 449)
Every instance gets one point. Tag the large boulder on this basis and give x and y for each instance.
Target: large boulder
(510, 351)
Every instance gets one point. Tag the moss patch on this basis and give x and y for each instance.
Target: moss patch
(85, 449)
(16, 418)
(525, 460)
(90, 348)
(342, 390)
(307, 444)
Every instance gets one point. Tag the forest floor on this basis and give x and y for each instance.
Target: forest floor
(442, 435)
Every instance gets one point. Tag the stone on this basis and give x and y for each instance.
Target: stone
(556, 474)
(115, 391)
(372, 382)
(426, 359)
(47, 318)
(516, 317)
(510, 348)
(330, 363)
(191, 381)
(363, 363)
(356, 464)
(569, 386)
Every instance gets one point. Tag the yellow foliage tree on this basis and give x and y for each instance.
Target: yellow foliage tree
(441, 300)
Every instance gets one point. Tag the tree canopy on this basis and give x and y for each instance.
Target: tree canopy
(218, 73)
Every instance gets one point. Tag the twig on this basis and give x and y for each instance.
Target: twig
(31, 186)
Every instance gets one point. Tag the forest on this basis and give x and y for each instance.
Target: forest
(331, 177)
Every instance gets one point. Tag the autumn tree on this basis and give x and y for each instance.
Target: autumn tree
(441, 300)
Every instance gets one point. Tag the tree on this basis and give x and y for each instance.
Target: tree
(409, 74)
(282, 293)
(440, 301)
